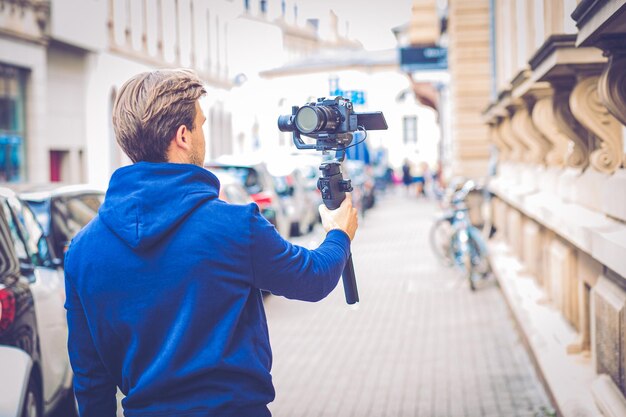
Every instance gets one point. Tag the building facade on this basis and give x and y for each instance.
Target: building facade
(62, 62)
(555, 109)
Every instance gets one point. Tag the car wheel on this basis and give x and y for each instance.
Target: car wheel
(32, 400)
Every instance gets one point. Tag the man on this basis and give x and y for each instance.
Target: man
(163, 285)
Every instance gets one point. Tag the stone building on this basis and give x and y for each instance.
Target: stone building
(62, 62)
(549, 79)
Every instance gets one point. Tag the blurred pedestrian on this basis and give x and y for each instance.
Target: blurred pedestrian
(407, 177)
(163, 286)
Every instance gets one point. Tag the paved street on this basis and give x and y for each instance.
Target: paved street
(419, 344)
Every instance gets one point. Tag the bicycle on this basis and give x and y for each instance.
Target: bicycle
(455, 240)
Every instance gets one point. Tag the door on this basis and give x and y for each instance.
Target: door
(48, 289)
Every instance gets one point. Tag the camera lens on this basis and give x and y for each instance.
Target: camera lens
(308, 120)
(312, 119)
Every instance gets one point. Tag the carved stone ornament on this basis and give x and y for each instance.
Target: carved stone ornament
(612, 84)
(545, 119)
(506, 134)
(579, 146)
(526, 132)
(591, 113)
(42, 13)
(495, 134)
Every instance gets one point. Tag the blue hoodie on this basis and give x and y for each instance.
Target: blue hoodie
(163, 296)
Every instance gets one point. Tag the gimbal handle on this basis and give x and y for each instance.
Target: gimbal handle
(333, 188)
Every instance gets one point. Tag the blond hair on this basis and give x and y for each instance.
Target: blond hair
(150, 107)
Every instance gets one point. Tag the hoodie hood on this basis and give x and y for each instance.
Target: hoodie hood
(145, 201)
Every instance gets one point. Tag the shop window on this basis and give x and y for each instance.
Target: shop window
(12, 124)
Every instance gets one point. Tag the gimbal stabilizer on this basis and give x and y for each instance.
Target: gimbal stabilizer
(332, 123)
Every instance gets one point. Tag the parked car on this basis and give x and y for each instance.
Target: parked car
(62, 210)
(363, 195)
(259, 184)
(231, 189)
(300, 205)
(36, 373)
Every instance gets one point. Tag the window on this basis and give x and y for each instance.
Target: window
(70, 215)
(8, 261)
(32, 234)
(20, 248)
(409, 128)
(12, 121)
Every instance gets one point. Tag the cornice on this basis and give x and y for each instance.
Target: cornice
(552, 43)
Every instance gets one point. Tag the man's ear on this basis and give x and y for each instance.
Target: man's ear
(182, 139)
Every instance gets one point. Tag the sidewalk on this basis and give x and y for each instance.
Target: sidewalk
(419, 344)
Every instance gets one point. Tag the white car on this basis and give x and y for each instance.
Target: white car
(36, 373)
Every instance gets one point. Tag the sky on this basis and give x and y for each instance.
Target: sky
(371, 21)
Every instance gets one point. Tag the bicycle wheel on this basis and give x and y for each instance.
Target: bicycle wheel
(470, 273)
(440, 235)
(476, 262)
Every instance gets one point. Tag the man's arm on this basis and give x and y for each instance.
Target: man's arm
(296, 272)
(93, 387)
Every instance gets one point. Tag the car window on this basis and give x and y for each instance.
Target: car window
(248, 176)
(281, 185)
(18, 245)
(235, 194)
(32, 233)
(9, 265)
(42, 212)
(71, 214)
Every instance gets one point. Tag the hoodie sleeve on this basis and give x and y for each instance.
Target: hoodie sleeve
(293, 271)
(95, 391)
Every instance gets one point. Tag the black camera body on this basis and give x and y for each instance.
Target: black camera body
(330, 121)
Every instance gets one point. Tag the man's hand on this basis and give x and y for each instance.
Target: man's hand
(343, 218)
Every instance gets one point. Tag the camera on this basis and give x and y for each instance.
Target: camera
(332, 122)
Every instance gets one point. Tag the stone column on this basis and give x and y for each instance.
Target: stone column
(548, 237)
(609, 322)
(589, 271)
(532, 247)
(563, 280)
(470, 85)
(514, 231)
(500, 218)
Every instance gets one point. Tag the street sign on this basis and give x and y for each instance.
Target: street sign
(355, 96)
(415, 59)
